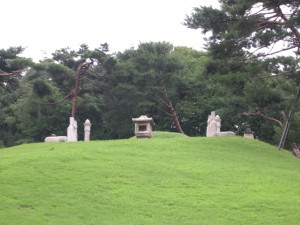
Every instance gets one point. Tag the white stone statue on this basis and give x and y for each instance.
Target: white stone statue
(214, 126)
(211, 125)
(87, 130)
(72, 130)
(218, 121)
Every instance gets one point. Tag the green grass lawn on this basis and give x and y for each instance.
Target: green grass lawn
(165, 180)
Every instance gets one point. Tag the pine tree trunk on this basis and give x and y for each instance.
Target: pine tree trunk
(81, 69)
(75, 94)
(176, 122)
(172, 110)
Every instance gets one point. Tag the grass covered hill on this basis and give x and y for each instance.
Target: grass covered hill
(164, 180)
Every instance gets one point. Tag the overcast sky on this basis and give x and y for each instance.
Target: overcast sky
(45, 26)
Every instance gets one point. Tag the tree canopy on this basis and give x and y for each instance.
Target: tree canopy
(177, 86)
(250, 27)
(251, 43)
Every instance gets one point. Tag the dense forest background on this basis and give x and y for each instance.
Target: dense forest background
(177, 86)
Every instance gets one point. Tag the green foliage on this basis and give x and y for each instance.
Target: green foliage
(72, 59)
(9, 54)
(10, 91)
(136, 84)
(41, 88)
(149, 72)
(239, 33)
(18, 63)
(62, 76)
(293, 136)
(41, 104)
(262, 94)
(176, 180)
(143, 81)
(10, 62)
(239, 26)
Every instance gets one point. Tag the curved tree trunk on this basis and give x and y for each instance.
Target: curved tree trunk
(75, 94)
(171, 110)
(81, 69)
(175, 118)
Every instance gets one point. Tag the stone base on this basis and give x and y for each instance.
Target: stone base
(56, 139)
(224, 134)
(249, 135)
(143, 135)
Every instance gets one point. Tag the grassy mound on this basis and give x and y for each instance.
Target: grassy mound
(222, 180)
(164, 134)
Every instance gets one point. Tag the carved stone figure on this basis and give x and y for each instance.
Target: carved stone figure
(214, 126)
(72, 130)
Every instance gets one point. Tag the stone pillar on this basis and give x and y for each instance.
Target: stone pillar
(87, 130)
(72, 130)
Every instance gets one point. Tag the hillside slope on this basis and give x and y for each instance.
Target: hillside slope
(180, 180)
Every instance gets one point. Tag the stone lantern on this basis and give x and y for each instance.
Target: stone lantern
(143, 126)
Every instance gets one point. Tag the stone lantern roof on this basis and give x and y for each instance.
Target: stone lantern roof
(142, 118)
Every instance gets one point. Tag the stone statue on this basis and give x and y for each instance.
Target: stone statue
(214, 126)
(72, 130)
(211, 128)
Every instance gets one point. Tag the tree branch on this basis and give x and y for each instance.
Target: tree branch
(81, 69)
(282, 50)
(169, 114)
(259, 113)
(285, 19)
(16, 72)
(61, 100)
(294, 12)
(162, 101)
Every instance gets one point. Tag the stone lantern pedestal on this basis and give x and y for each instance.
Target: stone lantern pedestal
(249, 134)
(87, 130)
(143, 126)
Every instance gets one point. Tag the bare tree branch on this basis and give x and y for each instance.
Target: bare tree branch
(286, 20)
(294, 12)
(81, 69)
(172, 109)
(259, 113)
(61, 100)
(169, 114)
(282, 50)
(162, 101)
(16, 72)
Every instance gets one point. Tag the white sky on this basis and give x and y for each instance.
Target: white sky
(47, 25)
